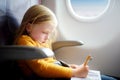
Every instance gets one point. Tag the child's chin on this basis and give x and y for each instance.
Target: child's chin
(43, 41)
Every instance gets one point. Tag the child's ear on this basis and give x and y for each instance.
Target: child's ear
(28, 28)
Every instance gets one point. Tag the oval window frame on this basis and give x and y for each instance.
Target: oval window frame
(85, 19)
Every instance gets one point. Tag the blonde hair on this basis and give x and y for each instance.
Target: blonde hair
(35, 15)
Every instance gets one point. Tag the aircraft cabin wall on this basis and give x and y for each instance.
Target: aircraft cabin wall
(101, 37)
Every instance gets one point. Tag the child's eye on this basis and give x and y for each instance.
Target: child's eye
(45, 32)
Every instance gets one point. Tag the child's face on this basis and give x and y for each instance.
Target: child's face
(41, 32)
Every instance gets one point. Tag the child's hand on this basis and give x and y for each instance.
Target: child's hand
(81, 71)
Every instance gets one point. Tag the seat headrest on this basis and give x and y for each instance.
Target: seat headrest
(8, 26)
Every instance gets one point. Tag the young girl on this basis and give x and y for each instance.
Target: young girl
(36, 29)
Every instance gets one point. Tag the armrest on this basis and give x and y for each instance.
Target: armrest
(23, 52)
(59, 44)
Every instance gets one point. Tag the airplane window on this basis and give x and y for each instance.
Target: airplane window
(87, 9)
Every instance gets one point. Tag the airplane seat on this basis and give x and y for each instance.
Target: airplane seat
(8, 25)
(9, 53)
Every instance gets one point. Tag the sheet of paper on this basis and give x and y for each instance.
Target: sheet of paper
(92, 75)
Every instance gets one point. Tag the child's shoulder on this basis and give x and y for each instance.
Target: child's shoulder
(25, 39)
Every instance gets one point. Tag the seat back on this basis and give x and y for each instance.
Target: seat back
(11, 13)
(8, 25)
